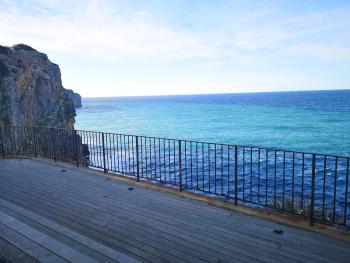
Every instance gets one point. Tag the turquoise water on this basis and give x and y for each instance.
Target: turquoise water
(317, 121)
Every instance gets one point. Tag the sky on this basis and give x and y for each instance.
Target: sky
(162, 47)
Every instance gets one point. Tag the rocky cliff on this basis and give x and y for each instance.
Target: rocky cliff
(31, 91)
(75, 97)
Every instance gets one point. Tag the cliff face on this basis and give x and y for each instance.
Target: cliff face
(31, 91)
(75, 97)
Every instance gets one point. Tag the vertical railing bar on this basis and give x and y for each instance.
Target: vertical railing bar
(146, 158)
(92, 152)
(203, 167)
(141, 153)
(2, 141)
(209, 181)
(302, 181)
(169, 161)
(222, 169)
(236, 175)
(180, 167)
(137, 159)
(54, 145)
(111, 152)
(186, 175)
(96, 150)
(215, 168)
(243, 168)
(121, 153)
(164, 160)
(251, 174)
(125, 157)
(293, 182)
(197, 173)
(275, 181)
(160, 161)
(174, 155)
(103, 152)
(191, 155)
(284, 181)
(335, 189)
(228, 170)
(34, 141)
(118, 152)
(75, 134)
(267, 173)
(89, 147)
(346, 192)
(108, 151)
(324, 187)
(312, 197)
(99, 155)
(114, 155)
(259, 175)
(129, 156)
(155, 158)
(150, 158)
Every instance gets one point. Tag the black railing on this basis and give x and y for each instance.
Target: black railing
(309, 185)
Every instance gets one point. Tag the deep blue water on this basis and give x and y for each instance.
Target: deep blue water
(313, 121)
(317, 121)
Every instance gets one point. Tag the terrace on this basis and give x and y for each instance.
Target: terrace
(81, 196)
(56, 212)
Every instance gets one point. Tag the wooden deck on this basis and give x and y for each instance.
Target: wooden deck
(55, 213)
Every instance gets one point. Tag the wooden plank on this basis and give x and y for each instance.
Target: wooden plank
(28, 246)
(10, 253)
(199, 211)
(45, 241)
(111, 253)
(106, 238)
(105, 233)
(208, 225)
(238, 245)
(219, 246)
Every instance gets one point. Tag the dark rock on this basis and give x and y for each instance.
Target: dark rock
(22, 47)
(278, 231)
(75, 97)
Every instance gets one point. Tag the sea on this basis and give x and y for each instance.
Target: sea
(303, 121)
(312, 121)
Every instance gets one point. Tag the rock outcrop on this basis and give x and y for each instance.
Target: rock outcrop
(75, 97)
(31, 91)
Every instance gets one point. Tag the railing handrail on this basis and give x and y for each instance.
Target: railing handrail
(193, 141)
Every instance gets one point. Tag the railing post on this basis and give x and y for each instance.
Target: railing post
(236, 175)
(312, 198)
(137, 159)
(104, 153)
(180, 167)
(2, 141)
(76, 147)
(34, 141)
(54, 144)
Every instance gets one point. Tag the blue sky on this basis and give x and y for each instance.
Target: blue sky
(120, 48)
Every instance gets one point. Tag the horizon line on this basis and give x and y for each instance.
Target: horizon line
(218, 93)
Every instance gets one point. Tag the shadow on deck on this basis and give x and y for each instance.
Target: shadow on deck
(58, 213)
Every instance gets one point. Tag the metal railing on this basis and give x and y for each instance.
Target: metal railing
(310, 185)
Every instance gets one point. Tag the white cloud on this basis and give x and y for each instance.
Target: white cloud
(109, 30)
(100, 30)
